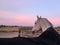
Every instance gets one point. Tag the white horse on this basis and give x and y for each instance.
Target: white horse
(41, 24)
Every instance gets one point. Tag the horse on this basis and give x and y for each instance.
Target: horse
(43, 24)
(48, 37)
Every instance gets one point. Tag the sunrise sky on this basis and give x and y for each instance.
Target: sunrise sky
(24, 12)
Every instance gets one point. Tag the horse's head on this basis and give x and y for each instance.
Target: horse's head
(41, 23)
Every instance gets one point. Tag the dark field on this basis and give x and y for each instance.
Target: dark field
(49, 37)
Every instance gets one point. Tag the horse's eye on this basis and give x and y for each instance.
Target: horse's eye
(35, 22)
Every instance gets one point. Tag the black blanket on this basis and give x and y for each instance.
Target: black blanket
(49, 37)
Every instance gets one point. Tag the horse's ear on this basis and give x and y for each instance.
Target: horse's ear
(37, 17)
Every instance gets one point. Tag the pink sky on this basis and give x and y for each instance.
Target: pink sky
(16, 18)
(55, 21)
(24, 19)
(27, 20)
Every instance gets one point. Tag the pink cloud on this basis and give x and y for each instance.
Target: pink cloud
(21, 20)
(26, 20)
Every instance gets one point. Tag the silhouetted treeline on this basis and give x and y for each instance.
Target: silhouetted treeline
(7, 26)
(2, 26)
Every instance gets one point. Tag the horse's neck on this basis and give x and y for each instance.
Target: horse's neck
(44, 29)
(46, 25)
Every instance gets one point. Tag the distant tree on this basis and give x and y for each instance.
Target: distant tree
(2, 26)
